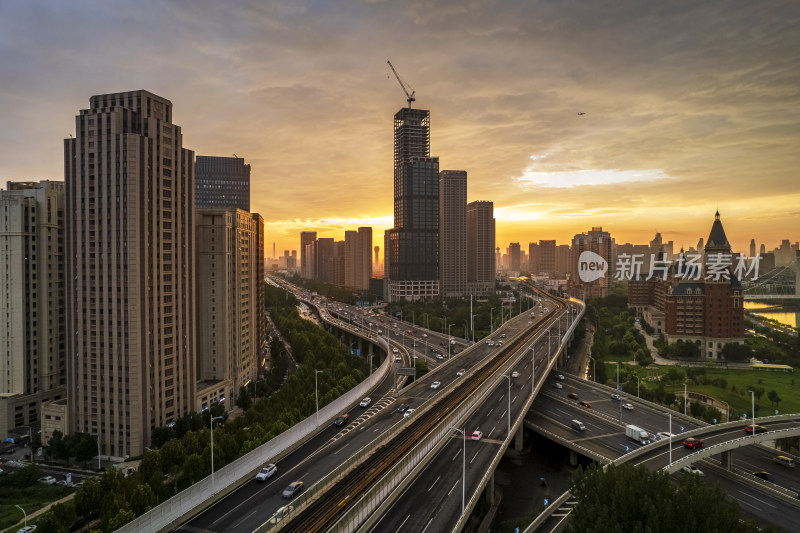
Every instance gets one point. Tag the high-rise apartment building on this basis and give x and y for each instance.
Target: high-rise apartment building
(229, 278)
(358, 264)
(306, 261)
(545, 259)
(32, 327)
(452, 233)
(598, 242)
(130, 271)
(480, 248)
(222, 182)
(411, 247)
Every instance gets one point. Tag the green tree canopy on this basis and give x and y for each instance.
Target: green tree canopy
(633, 499)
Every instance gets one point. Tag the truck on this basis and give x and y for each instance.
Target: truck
(638, 434)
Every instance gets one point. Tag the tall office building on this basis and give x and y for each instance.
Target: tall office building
(357, 265)
(480, 248)
(130, 271)
(306, 261)
(514, 257)
(222, 182)
(411, 247)
(453, 233)
(32, 328)
(545, 260)
(229, 301)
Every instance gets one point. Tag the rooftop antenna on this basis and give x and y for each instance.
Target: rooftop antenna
(409, 97)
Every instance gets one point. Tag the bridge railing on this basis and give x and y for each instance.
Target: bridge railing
(201, 495)
(520, 419)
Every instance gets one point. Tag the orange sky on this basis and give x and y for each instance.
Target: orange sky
(689, 106)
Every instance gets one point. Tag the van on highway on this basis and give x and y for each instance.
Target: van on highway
(577, 425)
(784, 461)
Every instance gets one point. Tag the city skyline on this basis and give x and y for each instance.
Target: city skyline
(686, 110)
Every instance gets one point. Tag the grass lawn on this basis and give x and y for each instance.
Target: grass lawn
(30, 498)
(786, 384)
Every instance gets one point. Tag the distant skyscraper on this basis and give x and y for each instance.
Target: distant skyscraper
(32, 327)
(357, 265)
(306, 263)
(763, 249)
(514, 259)
(752, 247)
(453, 233)
(130, 291)
(546, 261)
(480, 248)
(222, 182)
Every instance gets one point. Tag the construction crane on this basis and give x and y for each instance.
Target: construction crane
(409, 97)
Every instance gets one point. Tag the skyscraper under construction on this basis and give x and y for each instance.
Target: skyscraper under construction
(411, 256)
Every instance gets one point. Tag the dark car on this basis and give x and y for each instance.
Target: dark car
(759, 429)
(402, 407)
(584, 404)
(341, 420)
(762, 475)
(573, 395)
(293, 489)
(692, 443)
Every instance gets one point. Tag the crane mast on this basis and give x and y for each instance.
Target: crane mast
(409, 97)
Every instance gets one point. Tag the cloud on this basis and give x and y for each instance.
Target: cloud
(700, 99)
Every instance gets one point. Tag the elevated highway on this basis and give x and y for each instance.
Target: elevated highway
(604, 440)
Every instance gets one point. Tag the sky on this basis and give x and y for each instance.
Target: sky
(690, 106)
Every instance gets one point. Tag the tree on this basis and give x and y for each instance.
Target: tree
(172, 454)
(84, 446)
(122, 517)
(736, 352)
(25, 476)
(193, 468)
(89, 498)
(633, 498)
(774, 398)
(57, 447)
(243, 401)
(50, 523)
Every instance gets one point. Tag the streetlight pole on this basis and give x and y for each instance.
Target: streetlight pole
(533, 371)
(466, 330)
(98, 453)
(463, 464)
(316, 392)
(449, 340)
(213, 489)
(620, 401)
(753, 398)
(594, 369)
(491, 320)
(670, 437)
(26, 514)
(685, 398)
(508, 377)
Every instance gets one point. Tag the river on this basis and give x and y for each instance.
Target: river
(781, 313)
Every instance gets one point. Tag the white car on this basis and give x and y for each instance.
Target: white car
(365, 402)
(439, 356)
(266, 472)
(395, 350)
(691, 469)
(515, 374)
(27, 529)
(627, 406)
(557, 385)
(665, 434)
(408, 412)
(435, 385)
(47, 480)
(560, 377)
(460, 373)
(477, 435)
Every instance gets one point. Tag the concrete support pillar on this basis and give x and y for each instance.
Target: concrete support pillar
(573, 458)
(726, 459)
(518, 438)
(488, 492)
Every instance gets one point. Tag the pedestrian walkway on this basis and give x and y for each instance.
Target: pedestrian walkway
(653, 350)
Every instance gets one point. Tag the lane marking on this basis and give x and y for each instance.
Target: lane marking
(453, 487)
(404, 523)
(434, 483)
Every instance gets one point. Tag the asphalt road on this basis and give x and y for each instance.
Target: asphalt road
(433, 501)
(252, 504)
